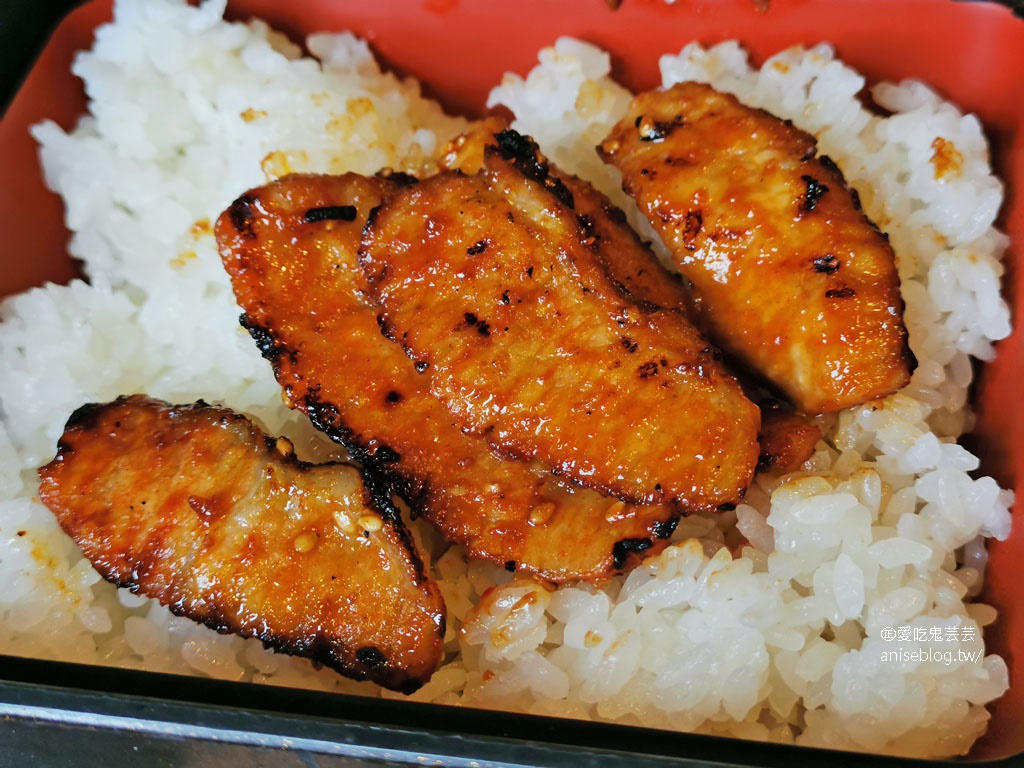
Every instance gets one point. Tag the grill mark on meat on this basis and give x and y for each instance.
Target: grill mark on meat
(692, 227)
(482, 327)
(265, 341)
(651, 130)
(648, 369)
(524, 154)
(622, 550)
(241, 216)
(371, 657)
(665, 529)
(385, 454)
(398, 177)
(588, 231)
(815, 190)
(83, 417)
(331, 213)
(827, 264)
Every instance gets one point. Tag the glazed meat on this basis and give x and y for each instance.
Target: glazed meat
(786, 439)
(789, 275)
(194, 506)
(290, 248)
(493, 286)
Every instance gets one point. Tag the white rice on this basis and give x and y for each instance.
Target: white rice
(766, 623)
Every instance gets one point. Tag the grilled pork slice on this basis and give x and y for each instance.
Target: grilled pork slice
(290, 248)
(196, 507)
(789, 275)
(493, 286)
(786, 439)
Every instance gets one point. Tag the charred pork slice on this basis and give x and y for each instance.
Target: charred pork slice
(194, 506)
(290, 248)
(789, 274)
(786, 439)
(493, 285)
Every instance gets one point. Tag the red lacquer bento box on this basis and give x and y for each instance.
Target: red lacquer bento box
(971, 52)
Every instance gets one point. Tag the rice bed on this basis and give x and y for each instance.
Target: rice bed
(833, 608)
